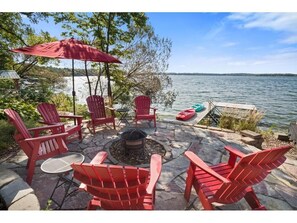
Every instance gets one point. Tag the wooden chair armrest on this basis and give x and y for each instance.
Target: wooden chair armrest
(154, 108)
(55, 126)
(99, 158)
(234, 151)
(155, 172)
(46, 137)
(202, 165)
(71, 116)
(233, 155)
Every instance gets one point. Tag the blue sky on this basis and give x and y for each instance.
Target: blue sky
(264, 41)
(230, 42)
(225, 42)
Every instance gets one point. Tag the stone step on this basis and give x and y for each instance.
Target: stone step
(253, 142)
(249, 140)
(251, 134)
(282, 137)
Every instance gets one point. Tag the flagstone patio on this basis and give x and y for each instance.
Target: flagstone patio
(277, 192)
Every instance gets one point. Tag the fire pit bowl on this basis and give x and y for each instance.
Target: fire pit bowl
(133, 140)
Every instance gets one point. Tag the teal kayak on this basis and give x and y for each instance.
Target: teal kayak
(198, 107)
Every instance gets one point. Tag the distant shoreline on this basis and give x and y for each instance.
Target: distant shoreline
(219, 74)
(236, 74)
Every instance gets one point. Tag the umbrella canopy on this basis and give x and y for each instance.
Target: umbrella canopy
(68, 49)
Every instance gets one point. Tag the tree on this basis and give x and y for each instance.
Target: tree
(129, 37)
(15, 33)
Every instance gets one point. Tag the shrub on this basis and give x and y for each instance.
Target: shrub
(6, 136)
(63, 102)
(25, 110)
(237, 123)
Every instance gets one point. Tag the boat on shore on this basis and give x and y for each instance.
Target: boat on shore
(186, 114)
(198, 107)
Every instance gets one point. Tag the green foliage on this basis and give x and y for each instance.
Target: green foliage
(205, 121)
(63, 102)
(25, 110)
(82, 110)
(37, 92)
(250, 122)
(15, 33)
(6, 136)
(268, 133)
(6, 84)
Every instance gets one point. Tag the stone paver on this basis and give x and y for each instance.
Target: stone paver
(278, 191)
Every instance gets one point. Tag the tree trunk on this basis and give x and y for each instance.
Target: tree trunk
(109, 92)
(89, 83)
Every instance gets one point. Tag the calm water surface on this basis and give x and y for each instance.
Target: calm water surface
(276, 96)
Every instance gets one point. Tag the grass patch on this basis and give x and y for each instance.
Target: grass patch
(237, 123)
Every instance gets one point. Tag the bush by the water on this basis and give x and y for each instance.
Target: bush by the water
(64, 103)
(250, 122)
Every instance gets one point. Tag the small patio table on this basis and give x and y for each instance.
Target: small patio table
(60, 165)
(123, 115)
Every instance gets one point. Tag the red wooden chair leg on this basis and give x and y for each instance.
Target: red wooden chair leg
(30, 172)
(204, 200)
(80, 135)
(252, 200)
(189, 184)
(91, 206)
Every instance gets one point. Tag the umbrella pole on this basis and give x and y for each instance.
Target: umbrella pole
(73, 91)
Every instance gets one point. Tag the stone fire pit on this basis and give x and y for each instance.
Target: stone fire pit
(134, 147)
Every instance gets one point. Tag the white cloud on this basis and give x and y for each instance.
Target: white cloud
(214, 31)
(290, 40)
(229, 44)
(274, 21)
(283, 22)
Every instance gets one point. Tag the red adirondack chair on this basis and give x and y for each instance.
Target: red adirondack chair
(229, 182)
(50, 116)
(117, 187)
(36, 147)
(142, 109)
(97, 112)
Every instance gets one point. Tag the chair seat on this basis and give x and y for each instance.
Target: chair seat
(104, 120)
(208, 183)
(146, 205)
(146, 117)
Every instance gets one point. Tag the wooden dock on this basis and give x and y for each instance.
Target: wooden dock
(209, 107)
(235, 106)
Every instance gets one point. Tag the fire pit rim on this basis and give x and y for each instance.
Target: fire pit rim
(125, 135)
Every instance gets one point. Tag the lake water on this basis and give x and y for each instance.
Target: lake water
(276, 96)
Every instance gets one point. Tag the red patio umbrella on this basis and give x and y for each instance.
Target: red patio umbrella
(68, 49)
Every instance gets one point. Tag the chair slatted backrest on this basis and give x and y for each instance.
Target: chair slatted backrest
(96, 105)
(49, 113)
(21, 130)
(251, 169)
(117, 187)
(142, 104)
(16, 120)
